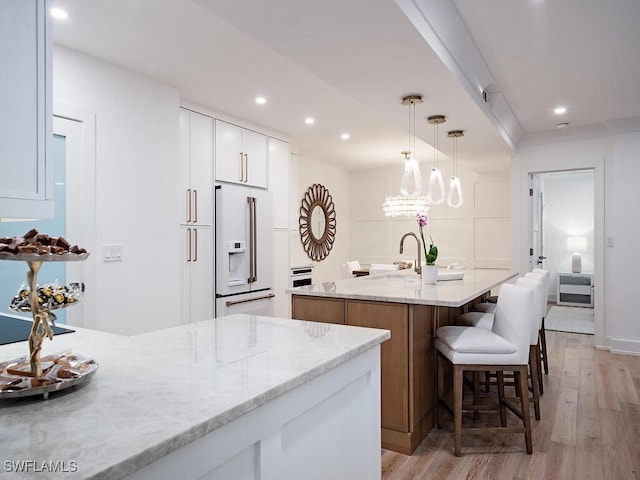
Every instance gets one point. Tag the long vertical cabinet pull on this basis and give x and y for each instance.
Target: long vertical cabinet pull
(246, 168)
(195, 235)
(241, 167)
(188, 244)
(253, 264)
(188, 205)
(195, 206)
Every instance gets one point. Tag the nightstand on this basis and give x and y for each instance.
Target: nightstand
(575, 289)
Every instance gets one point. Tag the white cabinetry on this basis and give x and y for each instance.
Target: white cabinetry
(241, 155)
(575, 289)
(26, 183)
(279, 174)
(196, 223)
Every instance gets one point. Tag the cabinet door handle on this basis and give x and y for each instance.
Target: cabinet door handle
(246, 167)
(195, 235)
(188, 205)
(188, 244)
(241, 167)
(195, 206)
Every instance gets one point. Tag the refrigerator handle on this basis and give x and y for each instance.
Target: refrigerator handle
(253, 264)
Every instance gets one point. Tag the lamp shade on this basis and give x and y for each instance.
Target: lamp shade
(576, 244)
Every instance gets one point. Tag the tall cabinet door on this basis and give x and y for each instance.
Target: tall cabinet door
(254, 146)
(201, 276)
(229, 154)
(25, 110)
(201, 168)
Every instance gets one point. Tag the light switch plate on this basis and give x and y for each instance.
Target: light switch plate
(112, 252)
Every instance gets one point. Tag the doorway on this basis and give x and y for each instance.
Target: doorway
(562, 241)
(73, 150)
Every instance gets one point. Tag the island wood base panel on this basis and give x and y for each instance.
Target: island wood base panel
(408, 359)
(407, 442)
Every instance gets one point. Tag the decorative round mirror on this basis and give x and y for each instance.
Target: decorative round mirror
(317, 224)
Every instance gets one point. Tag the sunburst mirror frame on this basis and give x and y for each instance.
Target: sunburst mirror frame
(317, 248)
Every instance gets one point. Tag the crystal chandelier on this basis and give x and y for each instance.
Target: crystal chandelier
(455, 188)
(435, 180)
(408, 204)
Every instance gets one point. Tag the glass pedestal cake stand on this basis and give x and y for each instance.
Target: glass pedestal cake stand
(63, 370)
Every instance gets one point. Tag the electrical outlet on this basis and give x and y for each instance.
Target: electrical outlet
(610, 242)
(112, 253)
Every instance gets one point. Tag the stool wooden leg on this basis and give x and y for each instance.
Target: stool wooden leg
(533, 365)
(503, 410)
(439, 389)
(476, 393)
(543, 345)
(524, 405)
(539, 363)
(457, 408)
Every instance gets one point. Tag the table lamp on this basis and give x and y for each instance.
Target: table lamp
(576, 245)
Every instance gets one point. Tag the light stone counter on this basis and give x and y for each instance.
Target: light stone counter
(406, 286)
(156, 393)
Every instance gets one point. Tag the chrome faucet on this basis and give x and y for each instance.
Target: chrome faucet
(418, 268)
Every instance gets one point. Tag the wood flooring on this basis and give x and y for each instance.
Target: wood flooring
(589, 427)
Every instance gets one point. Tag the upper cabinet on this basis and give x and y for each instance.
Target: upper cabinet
(241, 155)
(26, 183)
(196, 158)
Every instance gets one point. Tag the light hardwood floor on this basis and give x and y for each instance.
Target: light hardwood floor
(589, 427)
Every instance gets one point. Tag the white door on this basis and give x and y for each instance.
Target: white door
(229, 155)
(254, 146)
(201, 168)
(536, 197)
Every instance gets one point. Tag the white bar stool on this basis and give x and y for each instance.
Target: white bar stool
(503, 348)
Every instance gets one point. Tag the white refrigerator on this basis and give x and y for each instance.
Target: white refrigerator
(244, 250)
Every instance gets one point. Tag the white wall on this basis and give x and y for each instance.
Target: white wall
(623, 227)
(476, 235)
(137, 196)
(617, 226)
(568, 212)
(336, 180)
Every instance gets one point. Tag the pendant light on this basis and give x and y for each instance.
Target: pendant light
(435, 180)
(408, 204)
(455, 188)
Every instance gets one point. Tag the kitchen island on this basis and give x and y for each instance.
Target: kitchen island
(411, 311)
(235, 397)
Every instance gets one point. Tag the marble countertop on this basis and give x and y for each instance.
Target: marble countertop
(155, 393)
(405, 286)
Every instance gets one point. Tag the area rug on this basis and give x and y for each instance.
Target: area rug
(570, 319)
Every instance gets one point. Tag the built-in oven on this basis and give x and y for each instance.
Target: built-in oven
(301, 275)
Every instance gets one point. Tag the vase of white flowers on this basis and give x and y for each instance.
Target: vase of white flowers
(430, 270)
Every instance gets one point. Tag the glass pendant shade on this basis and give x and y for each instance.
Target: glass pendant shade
(436, 182)
(407, 204)
(455, 187)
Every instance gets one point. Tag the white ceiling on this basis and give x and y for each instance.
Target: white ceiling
(348, 63)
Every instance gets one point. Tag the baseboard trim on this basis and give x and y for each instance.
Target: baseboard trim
(625, 347)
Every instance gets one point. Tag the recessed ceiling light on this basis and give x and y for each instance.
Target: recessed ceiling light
(560, 110)
(345, 136)
(309, 121)
(59, 13)
(261, 100)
